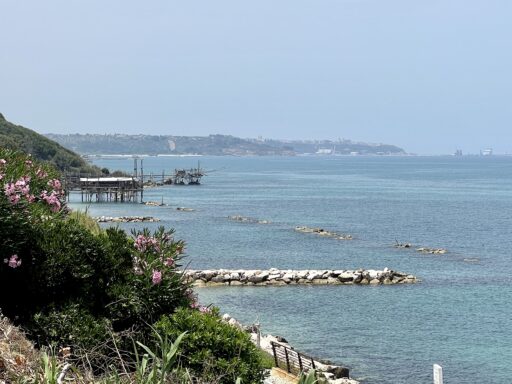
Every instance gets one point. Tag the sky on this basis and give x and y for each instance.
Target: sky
(431, 76)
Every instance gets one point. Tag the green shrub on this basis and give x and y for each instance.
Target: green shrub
(213, 349)
(69, 283)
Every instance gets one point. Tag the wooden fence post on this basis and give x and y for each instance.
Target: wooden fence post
(275, 355)
(287, 360)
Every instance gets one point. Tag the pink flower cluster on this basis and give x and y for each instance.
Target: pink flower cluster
(14, 261)
(156, 278)
(204, 309)
(20, 188)
(14, 191)
(155, 255)
(52, 200)
(55, 184)
(145, 243)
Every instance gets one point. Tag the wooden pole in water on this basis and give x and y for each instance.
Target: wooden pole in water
(438, 374)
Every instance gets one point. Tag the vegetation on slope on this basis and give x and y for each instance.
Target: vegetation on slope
(99, 294)
(16, 137)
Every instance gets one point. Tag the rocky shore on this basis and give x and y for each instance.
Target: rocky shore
(277, 277)
(332, 374)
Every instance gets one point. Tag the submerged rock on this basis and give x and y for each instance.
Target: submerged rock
(154, 204)
(433, 251)
(323, 232)
(245, 219)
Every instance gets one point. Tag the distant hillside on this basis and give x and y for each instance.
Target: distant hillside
(116, 144)
(41, 148)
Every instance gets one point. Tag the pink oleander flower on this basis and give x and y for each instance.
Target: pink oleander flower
(30, 198)
(56, 184)
(9, 189)
(56, 206)
(41, 174)
(2, 162)
(20, 184)
(25, 190)
(204, 309)
(52, 200)
(157, 277)
(14, 199)
(169, 262)
(13, 262)
(194, 305)
(143, 243)
(28, 162)
(1, 176)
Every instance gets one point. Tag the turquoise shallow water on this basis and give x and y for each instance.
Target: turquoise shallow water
(459, 316)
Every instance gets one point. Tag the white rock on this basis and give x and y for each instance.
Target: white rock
(302, 274)
(373, 274)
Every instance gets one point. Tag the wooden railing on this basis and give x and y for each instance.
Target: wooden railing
(291, 360)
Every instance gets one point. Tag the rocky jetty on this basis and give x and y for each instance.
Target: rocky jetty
(244, 219)
(433, 251)
(276, 277)
(323, 232)
(126, 219)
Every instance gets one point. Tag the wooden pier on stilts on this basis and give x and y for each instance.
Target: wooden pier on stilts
(129, 189)
(106, 189)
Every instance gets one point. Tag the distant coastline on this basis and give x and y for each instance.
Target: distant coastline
(215, 145)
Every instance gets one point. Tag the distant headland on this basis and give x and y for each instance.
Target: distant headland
(217, 145)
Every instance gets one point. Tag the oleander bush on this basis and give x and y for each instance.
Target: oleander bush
(69, 283)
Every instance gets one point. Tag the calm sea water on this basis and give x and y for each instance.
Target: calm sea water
(459, 316)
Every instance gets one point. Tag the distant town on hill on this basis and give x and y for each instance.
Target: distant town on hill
(121, 144)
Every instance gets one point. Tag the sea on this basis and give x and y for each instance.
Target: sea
(459, 316)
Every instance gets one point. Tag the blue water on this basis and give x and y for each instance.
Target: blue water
(459, 316)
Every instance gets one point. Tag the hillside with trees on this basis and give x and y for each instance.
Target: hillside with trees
(16, 137)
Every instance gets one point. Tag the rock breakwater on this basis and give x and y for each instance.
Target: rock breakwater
(126, 219)
(277, 277)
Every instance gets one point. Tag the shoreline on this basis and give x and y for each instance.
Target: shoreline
(271, 344)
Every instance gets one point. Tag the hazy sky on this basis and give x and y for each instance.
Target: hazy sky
(428, 75)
